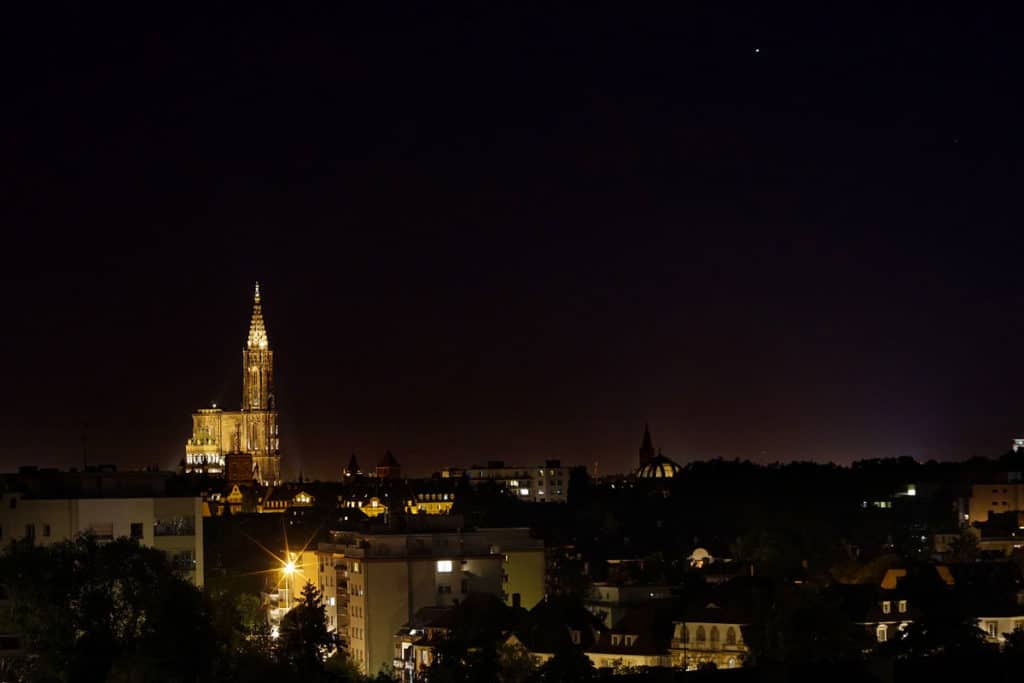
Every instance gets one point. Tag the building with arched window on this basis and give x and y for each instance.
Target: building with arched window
(709, 635)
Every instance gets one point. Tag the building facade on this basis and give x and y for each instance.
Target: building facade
(546, 483)
(252, 431)
(995, 498)
(381, 580)
(171, 524)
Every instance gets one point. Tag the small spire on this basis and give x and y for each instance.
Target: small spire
(257, 330)
(646, 453)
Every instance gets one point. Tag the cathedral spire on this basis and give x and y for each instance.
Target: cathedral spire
(257, 331)
(646, 447)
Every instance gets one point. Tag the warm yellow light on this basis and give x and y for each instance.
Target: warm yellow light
(289, 568)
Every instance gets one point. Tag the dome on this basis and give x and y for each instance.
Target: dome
(658, 467)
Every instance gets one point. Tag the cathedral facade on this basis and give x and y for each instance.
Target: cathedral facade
(221, 438)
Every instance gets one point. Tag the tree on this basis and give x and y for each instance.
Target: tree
(964, 548)
(798, 625)
(570, 665)
(515, 664)
(87, 611)
(1013, 647)
(304, 641)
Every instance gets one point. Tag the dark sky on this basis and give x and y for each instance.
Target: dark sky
(518, 232)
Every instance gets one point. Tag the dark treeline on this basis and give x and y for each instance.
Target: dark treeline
(118, 612)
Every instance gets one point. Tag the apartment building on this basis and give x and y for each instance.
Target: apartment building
(546, 483)
(50, 506)
(374, 582)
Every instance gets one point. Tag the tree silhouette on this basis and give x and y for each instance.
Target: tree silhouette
(304, 641)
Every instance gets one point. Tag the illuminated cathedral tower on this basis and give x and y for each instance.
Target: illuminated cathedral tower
(249, 433)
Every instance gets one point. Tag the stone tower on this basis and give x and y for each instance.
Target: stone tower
(251, 431)
(258, 409)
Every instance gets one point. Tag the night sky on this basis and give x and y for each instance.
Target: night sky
(514, 233)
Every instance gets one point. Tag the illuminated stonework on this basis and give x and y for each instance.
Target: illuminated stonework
(251, 430)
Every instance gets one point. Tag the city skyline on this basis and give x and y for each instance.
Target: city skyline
(772, 234)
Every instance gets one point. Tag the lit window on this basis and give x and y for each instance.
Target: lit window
(444, 566)
(333, 600)
(902, 606)
(886, 607)
(524, 492)
(882, 633)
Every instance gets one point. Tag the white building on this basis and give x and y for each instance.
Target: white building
(50, 514)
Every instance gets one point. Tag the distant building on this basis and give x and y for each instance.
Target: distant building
(216, 433)
(611, 601)
(709, 635)
(416, 642)
(388, 467)
(639, 639)
(352, 470)
(994, 498)
(382, 578)
(546, 483)
(651, 466)
(646, 452)
(48, 506)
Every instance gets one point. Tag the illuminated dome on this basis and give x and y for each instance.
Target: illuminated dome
(658, 467)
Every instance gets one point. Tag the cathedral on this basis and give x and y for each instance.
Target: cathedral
(242, 444)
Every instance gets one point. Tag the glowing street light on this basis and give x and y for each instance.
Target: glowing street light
(288, 568)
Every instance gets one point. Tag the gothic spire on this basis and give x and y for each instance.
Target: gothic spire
(646, 447)
(257, 331)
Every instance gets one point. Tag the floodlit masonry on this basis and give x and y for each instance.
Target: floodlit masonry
(218, 435)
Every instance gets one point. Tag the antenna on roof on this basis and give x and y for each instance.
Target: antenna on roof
(85, 439)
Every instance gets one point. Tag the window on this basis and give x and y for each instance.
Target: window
(181, 525)
(575, 635)
(616, 639)
(714, 636)
(136, 530)
(701, 637)
(30, 531)
(332, 600)
(882, 633)
(183, 561)
(730, 636)
(886, 607)
(444, 566)
(46, 530)
(903, 606)
(993, 628)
